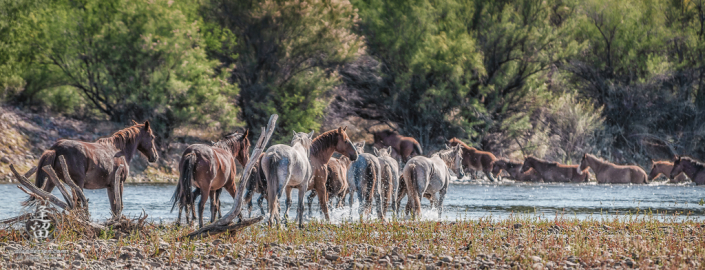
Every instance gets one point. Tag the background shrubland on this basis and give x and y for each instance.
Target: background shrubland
(558, 78)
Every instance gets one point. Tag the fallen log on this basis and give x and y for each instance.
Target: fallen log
(225, 224)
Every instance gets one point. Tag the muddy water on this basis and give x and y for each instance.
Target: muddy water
(471, 201)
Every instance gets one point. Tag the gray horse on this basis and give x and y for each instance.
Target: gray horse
(364, 177)
(425, 177)
(390, 177)
(287, 167)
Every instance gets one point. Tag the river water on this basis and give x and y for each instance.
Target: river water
(463, 201)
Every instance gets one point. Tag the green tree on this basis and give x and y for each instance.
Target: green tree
(286, 56)
(135, 60)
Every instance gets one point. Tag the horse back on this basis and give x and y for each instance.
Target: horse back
(90, 162)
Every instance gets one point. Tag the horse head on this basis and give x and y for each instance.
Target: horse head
(527, 164)
(344, 145)
(677, 167)
(243, 148)
(583, 164)
(384, 152)
(305, 139)
(146, 144)
(453, 159)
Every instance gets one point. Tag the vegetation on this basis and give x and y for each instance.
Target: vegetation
(523, 241)
(557, 78)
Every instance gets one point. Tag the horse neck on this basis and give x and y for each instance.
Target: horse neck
(690, 169)
(322, 157)
(128, 147)
(595, 163)
(300, 147)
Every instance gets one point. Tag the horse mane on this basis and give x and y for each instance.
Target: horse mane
(443, 154)
(458, 141)
(543, 160)
(694, 161)
(229, 141)
(600, 159)
(122, 137)
(324, 141)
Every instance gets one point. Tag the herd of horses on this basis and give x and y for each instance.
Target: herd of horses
(308, 163)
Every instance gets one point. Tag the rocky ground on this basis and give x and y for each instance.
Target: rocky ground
(511, 244)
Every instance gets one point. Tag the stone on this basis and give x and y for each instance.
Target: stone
(332, 256)
(518, 226)
(217, 242)
(125, 256)
(5, 160)
(79, 257)
(535, 258)
(447, 259)
(537, 266)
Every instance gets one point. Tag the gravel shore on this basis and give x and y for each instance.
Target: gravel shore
(511, 244)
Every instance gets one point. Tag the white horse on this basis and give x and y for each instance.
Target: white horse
(390, 177)
(424, 177)
(364, 177)
(287, 167)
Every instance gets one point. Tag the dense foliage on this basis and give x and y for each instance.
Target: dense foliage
(553, 78)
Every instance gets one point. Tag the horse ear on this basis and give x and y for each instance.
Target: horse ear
(340, 129)
(146, 124)
(389, 150)
(134, 122)
(362, 144)
(247, 132)
(345, 128)
(310, 135)
(375, 150)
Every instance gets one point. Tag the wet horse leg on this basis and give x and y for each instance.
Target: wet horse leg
(320, 186)
(214, 207)
(300, 212)
(441, 196)
(310, 201)
(217, 201)
(287, 202)
(259, 203)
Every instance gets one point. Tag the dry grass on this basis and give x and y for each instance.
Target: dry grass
(632, 240)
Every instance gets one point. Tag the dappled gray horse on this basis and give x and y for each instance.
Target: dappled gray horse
(287, 167)
(390, 177)
(364, 177)
(428, 176)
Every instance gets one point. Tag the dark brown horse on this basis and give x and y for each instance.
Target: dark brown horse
(475, 159)
(404, 147)
(607, 172)
(513, 168)
(322, 149)
(665, 168)
(554, 171)
(210, 168)
(93, 165)
(694, 169)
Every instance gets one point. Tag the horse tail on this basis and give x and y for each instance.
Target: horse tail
(47, 158)
(373, 178)
(417, 147)
(278, 171)
(182, 195)
(412, 189)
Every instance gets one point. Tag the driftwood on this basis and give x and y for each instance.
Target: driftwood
(225, 224)
(79, 196)
(66, 205)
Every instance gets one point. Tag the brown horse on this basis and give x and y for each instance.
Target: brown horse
(93, 165)
(405, 147)
(256, 183)
(210, 168)
(513, 168)
(336, 183)
(607, 172)
(322, 149)
(554, 171)
(694, 169)
(475, 159)
(665, 168)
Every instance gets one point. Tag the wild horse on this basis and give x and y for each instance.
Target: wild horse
(694, 169)
(405, 147)
(425, 177)
(554, 171)
(513, 168)
(210, 168)
(607, 172)
(475, 159)
(93, 165)
(665, 168)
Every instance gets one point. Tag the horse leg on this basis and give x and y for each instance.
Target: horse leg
(302, 193)
(441, 196)
(320, 185)
(381, 211)
(214, 208)
(488, 173)
(217, 202)
(288, 203)
(248, 199)
(202, 205)
(259, 203)
(310, 201)
(196, 194)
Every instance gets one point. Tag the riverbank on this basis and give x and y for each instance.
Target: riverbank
(630, 242)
